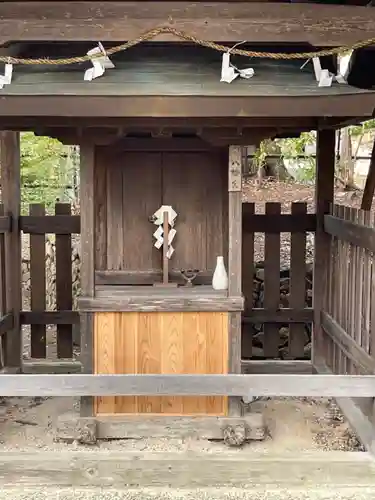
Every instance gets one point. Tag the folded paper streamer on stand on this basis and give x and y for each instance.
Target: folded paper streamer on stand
(6, 78)
(324, 77)
(229, 72)
(158, 219)
(99, 64)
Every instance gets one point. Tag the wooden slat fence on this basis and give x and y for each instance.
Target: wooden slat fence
(349, 316)
(287, 310)
(6, 319)
(272, 315)
(63, 225)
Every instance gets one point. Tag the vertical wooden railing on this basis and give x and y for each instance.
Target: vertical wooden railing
(38, 285)
(6, 319)
(349, 316)
(38, 225)
(288, 310)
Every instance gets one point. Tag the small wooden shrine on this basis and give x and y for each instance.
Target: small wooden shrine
(154, 309)
(160, 134)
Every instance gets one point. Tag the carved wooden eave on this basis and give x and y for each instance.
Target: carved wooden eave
(128, 139)
(256, 22)
(175, 135)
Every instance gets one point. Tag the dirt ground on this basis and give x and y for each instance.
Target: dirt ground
(294, 424)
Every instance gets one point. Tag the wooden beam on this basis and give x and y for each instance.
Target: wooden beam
(5, 224)
(49, 317)
(147, 277)
(256, 22)
(353, 233)
(157, 302)
(278, 223)
(87, 180)
(6, 324)
(368, 192)
(142, 124)
(39, 366)
(283, 315)
(11, 198)
(235, 264)
(182, 107)
(278, 385)
(275, 366)
(69, 428)
(114, 138)
(88, 471)
(324, 191)
(55, 224)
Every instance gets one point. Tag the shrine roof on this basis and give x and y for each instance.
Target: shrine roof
(164, 83)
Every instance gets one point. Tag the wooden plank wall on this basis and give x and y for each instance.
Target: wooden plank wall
(274, 313)
(349, 317)
(133, 185)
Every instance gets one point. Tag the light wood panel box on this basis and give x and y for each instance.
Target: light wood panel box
(161, 343)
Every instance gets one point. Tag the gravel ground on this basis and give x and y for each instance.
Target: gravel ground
(203, 494)
(294, 424)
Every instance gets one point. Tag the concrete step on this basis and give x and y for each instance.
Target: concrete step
(238, 474)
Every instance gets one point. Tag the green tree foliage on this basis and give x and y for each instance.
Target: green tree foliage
(295, 149)
(361, 129)
(46, 170)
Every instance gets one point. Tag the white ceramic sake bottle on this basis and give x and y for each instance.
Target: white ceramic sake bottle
(220, 277)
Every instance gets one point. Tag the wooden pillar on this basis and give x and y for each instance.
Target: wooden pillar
(324, 193)
(368, 192)
(234, 264)
(87, 161)
(11, 199)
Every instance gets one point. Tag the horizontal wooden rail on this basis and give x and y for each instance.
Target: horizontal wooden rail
(356, 234)
(255, 223)
(278, 223)
(255, 316)
(38, 366)
(133, 278)
(286, 315)
(275, 366)
(156, 303)
(348, 345)
(5, 224)
(49, 317)
(6, 323)
(269, 366)
(50, 224)
(192, 385)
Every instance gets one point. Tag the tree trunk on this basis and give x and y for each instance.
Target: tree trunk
(346, 159)
(274, 165)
